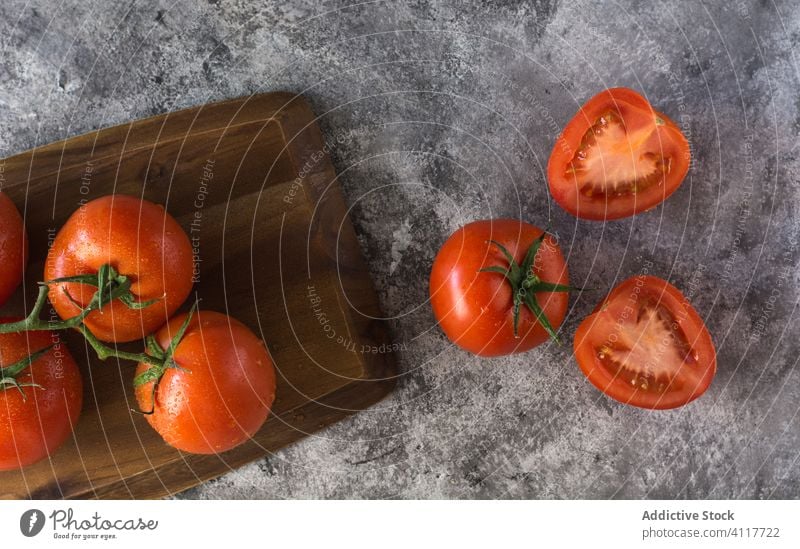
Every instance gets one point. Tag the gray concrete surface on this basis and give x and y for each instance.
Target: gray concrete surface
(449, 111)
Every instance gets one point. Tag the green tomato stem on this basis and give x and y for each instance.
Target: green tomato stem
(34, 323)
(8, 374)
(105, 352)
(110, 286)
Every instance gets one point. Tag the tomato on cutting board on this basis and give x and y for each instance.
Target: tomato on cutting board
(219, 391)
(617, 157)
(13, 248)
(40, 397)
(146, 248)
(499, 287)
(645, 345)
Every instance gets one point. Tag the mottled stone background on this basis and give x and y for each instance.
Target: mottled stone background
(449, 111)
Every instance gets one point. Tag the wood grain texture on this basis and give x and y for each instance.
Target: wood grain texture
(251, 183)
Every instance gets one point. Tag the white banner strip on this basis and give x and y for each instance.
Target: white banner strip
(390, 524)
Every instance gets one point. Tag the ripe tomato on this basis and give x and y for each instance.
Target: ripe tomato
(221, 391)
(13, 248)
(645, 345)
(140, 241)
(476, 307)
(39, 415)
(617, 157)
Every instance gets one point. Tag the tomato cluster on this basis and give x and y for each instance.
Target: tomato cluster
(119, 270)
(500, 286)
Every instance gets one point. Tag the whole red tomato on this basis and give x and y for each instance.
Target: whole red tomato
(617, 157)
(645, 345)
(40, 403)
(219, 393)
(13, 248)
(498, 287)
(142, 242)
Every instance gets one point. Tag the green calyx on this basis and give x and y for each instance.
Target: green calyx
(525, 283)
(8, 375)
(160, 360)
(110, 286)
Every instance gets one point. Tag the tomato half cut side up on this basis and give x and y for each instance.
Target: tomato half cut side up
(645, 345)
(617, 157)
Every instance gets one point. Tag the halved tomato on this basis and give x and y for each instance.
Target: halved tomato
(617, 157)
(645, 345)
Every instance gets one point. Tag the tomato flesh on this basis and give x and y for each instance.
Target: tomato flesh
(613, 162)
(648, 352)
(617, 157)
(646, 346)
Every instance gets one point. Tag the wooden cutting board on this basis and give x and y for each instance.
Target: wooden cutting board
(251, 182)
